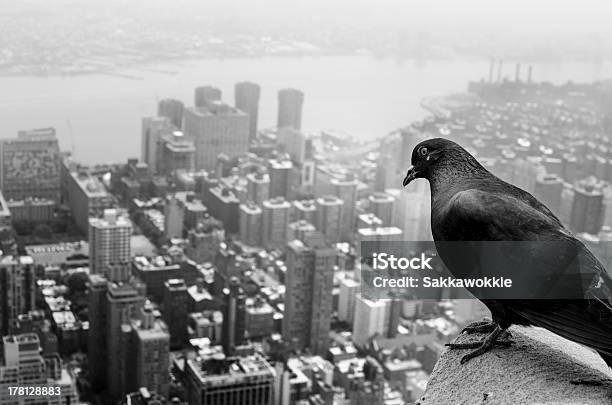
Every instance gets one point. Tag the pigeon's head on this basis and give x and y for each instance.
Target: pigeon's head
(433, 154)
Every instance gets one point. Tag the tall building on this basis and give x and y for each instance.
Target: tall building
(173, 110)
(174, 153)
(96, 338)
(174, 217)
(206, 94)
(5, 214)
(151, 348)
(300, 229)
(234, 316)
(411, 214)
(109, 245)
(84, 194)
(215, 129)
(346, 190)
(124, 304)
(31, 165)
(203, 241)
(381, 205)
(349, 288)
(329, 217)
(175, 311)
(17, 290)
(246, 96)
(234, 380)
(275, 219)
(250, 224)
(304, 210)
(588, 207)
(293, 143)
(153, 129)
(282, 178)
(24, 366)
(548, 189)
(224, 205)
(258, 187)
(371, 318)
(290, 103)
(308, 295)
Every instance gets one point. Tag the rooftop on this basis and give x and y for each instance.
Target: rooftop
(231, 371)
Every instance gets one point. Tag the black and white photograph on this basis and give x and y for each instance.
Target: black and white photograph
(305, 202)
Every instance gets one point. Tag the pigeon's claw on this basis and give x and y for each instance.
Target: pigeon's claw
(498, 337)
(484, 326)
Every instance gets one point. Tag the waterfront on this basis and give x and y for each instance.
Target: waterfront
(98, 116)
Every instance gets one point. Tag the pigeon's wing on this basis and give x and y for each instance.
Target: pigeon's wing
(566, 265)
(493, 216)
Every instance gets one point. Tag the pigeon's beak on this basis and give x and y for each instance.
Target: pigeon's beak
(411, 175)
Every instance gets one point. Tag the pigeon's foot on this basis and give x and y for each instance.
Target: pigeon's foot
(498, 337)
(484, 326)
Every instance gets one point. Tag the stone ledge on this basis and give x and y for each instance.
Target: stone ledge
(540, 368)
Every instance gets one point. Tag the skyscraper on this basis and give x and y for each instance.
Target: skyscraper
(172, 109)
(31, 165)
(346, 190)
(349, 289)
(174, 217)
(215, 129)
(548, 190)
(381, 205)
(258, 187)
(304, 209)
(328, 218)
(151, 346)
(17, 290)
(290, 103)
(84, 193)
(234, 313)
(175, 310)
(246, 96)
(153, 129)
(587, 214)
(109, 245)
(206, 94)
(174, 153)
(250, 224)
(275, 220)
(371, 318)
(124, 303)
(282, 178)
(293, 143)
(96, 338)
(308, 295)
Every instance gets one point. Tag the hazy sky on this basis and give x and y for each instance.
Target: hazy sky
(541, 16)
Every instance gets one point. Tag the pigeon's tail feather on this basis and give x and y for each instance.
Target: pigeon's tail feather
(587, 322)
(607, 358)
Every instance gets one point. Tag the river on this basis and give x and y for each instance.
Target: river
(98, 116)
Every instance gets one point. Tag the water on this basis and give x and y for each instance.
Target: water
(98, 116)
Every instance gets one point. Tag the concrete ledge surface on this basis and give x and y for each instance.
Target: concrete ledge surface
(540, 368)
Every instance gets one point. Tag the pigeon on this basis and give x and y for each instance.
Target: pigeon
(475, 209)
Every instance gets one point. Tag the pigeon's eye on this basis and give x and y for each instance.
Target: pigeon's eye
(423, 151)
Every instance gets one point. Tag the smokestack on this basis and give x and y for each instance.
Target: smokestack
(491, 70)
(529, 74)
(499, 70)
(517, 73)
